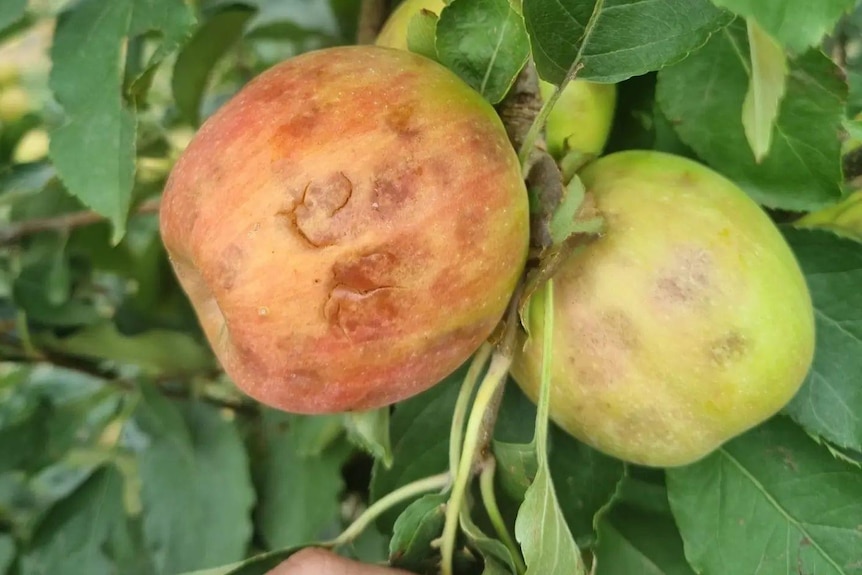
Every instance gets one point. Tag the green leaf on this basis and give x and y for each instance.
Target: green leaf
(94, 149)
(257, 565)
(495, 555)
(632, 541)
(82, 533)
(797, 24)
(420, 442)
(414, 531)
(7, 553)
(541, 530)
(12, 12)
(194, 474)
(630, 37)
(830, 402)
(298, 494)
(765, 89)
(199, 56)
(770, 502)
(586, 479)
(485, 43)
(369, 430)
(154, 352)
(803, 168)
(422, 34)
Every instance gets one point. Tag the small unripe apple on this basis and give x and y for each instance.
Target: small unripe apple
(349, 227)
(580, 120)
(685, 324)
(14, 104)
(32, 147)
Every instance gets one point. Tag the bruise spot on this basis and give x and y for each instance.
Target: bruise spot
(395, 187)
(400, 121)
(727, 349)
(686, 280)
(299, 126)
(363, 301)
(312, 217)
(609, 340)
(229, 264)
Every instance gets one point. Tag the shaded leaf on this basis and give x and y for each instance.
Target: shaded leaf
(803, 168)
(485, 43)
(631, 541)
(765, 89)
(155, 351)
(196, 61)
(370, 431)
(414, 531)
(422, 34)
(798, 24)
(770, 501)
(7, 553)
(298, 494)
(830, 401)
(78, 535)
(630, 37)
(13, 11)
(495, 555)
(194, 473)
(420, 442)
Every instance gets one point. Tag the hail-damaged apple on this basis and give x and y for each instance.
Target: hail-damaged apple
(688, 322)
(349, 228)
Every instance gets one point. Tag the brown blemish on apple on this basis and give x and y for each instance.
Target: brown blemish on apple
(395, 186)
(229, 266)
(362, 301)
(686, 280)
(400, 121)
(609, 339)
(727, 349)
(312, 216)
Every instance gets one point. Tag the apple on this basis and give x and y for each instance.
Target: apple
(14, 104)
(32, 147)
(349, 227)
(581, 119)
(685, 324)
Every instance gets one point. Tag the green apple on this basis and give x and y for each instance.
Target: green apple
(686, 323)
(582, 117)
(14, 104)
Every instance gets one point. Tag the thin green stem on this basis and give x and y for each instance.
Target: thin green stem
(378, 508)
(545, 393)
(487, 389)
(577, 64)
(456, 435)
(489, 499)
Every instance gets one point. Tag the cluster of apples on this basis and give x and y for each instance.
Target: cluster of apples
(351, 226)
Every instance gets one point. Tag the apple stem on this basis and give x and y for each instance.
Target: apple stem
(480, 360)
(496, 375)
(385, 503)
(489, 499)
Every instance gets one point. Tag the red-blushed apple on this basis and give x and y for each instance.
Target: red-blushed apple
(349, 228)
(685, 324)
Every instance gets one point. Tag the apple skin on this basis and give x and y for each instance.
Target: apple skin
(687, 323)
(580, 120)
(349, 228)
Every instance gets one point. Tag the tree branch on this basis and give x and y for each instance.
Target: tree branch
(372, 15)
(13, 233)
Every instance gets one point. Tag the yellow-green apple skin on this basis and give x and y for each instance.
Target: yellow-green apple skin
(394, 31)
(349, 228)
(580, 120)
(685, 324)
(14, 104)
